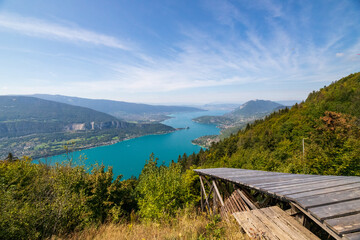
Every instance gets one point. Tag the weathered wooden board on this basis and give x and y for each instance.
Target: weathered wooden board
(346, 224)
(248, 178)
(281, 180)
(300, 186)
(289, 180)
(336, 210)
(288, 220)
(352, 236)
(314, 193)
(329, 198)
(307, 188)
(272, 223)
(253, 228)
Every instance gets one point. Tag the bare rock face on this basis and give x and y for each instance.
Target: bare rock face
(96, 126)
(75, 127)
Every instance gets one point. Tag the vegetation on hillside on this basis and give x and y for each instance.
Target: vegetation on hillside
(65, 200)
(235, 120)
(328, 122)
(38, 201)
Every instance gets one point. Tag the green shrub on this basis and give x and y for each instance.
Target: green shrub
(38, 201)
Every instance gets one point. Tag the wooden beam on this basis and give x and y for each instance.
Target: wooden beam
(202, 198)
(218, 193)
(248, 202)
(214, 202)
(208, 183)
(204, 191)
(326, 228)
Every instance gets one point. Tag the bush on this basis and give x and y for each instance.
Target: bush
(38, 201)
(163, 190)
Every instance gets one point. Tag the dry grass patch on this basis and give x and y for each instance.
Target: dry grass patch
(186, 226)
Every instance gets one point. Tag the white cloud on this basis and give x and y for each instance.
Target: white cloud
(282, 60)
(41, 28)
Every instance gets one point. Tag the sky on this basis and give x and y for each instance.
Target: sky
(177, 52)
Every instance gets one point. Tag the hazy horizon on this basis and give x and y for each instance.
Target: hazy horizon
(154, 103)
(183, 52)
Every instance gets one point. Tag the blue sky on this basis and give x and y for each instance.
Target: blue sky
(188, 52)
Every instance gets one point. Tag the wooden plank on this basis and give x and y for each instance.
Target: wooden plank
(246, 177)
(252, 227)
(322, 182)
(336, 210)
(284, 180)
(313, 187)
(352, 236)
(317, 221)
(322, 191)
(346, 224)
(282, 216)
(248, 202)
(329, 198)
(272, 223)
(242, 202)
(250, 180)
(298, 186)
(263, 181)
(273, 228)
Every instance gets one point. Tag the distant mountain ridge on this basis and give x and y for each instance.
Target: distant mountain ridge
(248, 111)
(38, 127)
(22, 115)
(254, 107)
(237, 119)
(118, 109)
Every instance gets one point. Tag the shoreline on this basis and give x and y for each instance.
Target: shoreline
(102, 144)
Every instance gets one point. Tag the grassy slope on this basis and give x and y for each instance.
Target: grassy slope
(186, 226)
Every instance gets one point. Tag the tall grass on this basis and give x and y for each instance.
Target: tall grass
(188, 225)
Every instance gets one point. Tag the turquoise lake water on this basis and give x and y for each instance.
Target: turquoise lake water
(128, 157)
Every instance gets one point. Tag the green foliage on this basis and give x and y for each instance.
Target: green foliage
(328, 122)
(163, 190)
(38, 201)
(213, 230)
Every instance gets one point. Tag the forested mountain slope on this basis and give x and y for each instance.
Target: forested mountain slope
(21, 116)
(328, 122)
(38, 127)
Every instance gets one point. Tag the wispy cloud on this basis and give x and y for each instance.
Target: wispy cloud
(280, 55)
(45, 29)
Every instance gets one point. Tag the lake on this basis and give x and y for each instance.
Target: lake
(128, 157)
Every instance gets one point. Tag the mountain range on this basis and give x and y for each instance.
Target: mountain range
(38, 127)
(245, 113)
(127, 111)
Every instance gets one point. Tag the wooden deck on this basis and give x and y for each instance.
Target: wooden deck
(333, 202)
(272, 223)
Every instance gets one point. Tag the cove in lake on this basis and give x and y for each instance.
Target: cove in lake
(128, 157)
